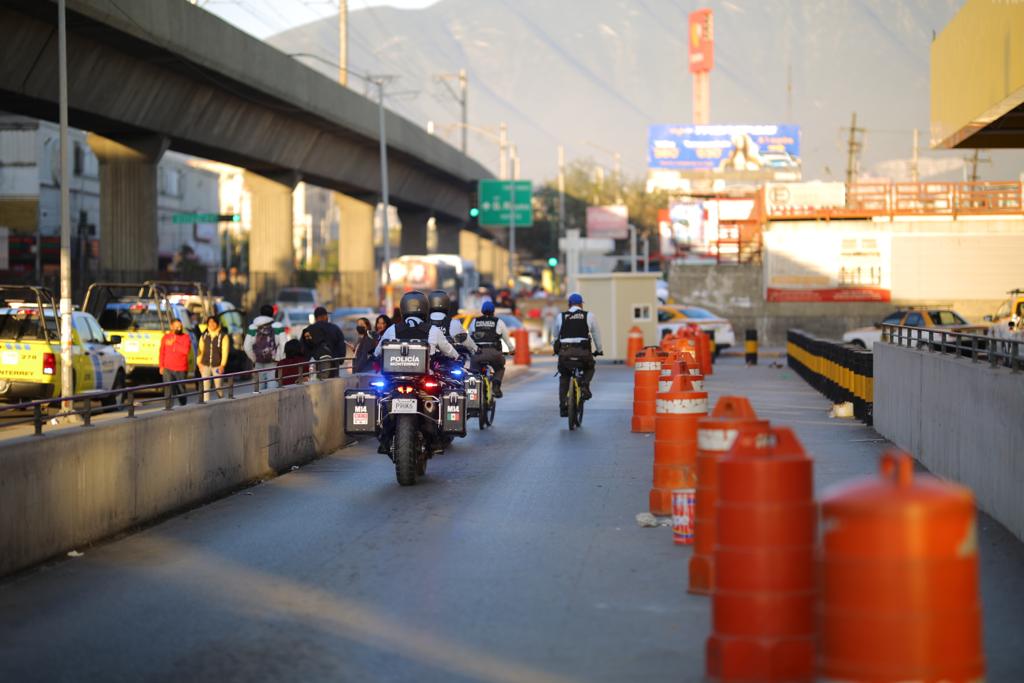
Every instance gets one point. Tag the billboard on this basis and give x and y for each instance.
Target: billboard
(608, 221)
(702, 41)
(729, 150)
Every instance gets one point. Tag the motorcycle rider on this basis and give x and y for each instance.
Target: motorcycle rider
(487, 331)
(575, 329)
(440, 317)
(414, 326)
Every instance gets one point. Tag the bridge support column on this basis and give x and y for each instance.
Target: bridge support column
(355, 252)
(271, 246)
(448, 237)
(128, 199)
(414, 231)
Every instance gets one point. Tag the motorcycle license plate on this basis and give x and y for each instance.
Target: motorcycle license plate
(403, 405)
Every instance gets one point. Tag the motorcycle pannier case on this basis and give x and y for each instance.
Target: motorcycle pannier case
(360, 411)
(454, 406)
(405, 357)
(474, 388)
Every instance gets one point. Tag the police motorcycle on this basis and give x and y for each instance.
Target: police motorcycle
(451, 373)
(407, 409)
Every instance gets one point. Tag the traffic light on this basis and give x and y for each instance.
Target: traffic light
(474, 212)
(474, 205)
(553, 261)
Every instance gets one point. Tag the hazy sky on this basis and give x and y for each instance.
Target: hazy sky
(262, 18)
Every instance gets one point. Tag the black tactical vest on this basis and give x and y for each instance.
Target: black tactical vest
(485, 331)
(574, 325)
(407, 332)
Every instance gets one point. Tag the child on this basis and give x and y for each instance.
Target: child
(291, 367)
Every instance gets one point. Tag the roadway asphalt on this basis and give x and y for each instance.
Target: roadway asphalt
(516, 559)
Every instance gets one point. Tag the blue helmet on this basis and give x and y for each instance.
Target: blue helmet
(575, 299)
(487, 308)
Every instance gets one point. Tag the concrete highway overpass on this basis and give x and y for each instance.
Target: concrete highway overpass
(151, 75)
(978, 78)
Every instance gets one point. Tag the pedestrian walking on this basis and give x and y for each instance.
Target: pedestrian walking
(264, 345)
(362, 360)
(324, 342)
(176, 356)
(214, 348)
(291, 369)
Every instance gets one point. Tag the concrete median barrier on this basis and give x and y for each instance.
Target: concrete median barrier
(78, 486)
(961, 419)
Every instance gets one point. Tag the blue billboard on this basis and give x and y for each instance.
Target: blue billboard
(724, 149)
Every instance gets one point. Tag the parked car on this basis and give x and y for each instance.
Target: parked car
(298, 297)
(30, 366)
(1011, 310)
(939, 318)
(294, 320)
(671, 317)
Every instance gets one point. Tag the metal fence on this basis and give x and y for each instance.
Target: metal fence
(130, 399)
(996, 351)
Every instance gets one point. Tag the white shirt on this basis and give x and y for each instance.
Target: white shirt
(436, 339)
(595, 333)
(454, 330)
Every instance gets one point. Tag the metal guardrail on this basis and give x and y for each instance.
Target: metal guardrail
(996, 351)
(127, 397)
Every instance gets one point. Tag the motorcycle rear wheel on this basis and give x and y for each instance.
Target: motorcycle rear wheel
(406, 450)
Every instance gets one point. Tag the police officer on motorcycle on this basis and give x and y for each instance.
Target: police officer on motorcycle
(575, 329)
(487, 330)
(414, 325)
(441, 318)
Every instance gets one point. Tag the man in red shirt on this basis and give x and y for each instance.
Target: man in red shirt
(175, 354)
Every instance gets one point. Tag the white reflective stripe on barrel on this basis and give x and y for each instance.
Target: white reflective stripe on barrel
(664, 386)
(681, 406)
(717, 440)
(694, 371)
(666, 372)
(698, 384)
(647, 365)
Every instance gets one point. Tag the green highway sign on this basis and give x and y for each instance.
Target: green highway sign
(495, 203)
(205, 218)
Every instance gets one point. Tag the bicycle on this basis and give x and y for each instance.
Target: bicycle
(574, 398)
(488, 403)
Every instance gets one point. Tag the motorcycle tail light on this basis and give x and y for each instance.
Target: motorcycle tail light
(430, 384)
(405, 389)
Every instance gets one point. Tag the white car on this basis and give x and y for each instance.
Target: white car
(865, 337)
(672, 317)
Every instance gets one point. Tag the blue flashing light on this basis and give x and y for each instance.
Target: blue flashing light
(379, 384)
(456, 373)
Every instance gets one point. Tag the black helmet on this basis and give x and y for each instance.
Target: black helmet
(439, 301)
(413, 305)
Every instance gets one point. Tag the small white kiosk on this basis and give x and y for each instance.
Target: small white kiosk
(619, 301)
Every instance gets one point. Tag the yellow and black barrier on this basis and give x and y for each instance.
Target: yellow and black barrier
(842, 372)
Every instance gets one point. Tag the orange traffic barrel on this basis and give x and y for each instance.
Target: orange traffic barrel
(899, 577)
(634, 342)
(763, 601)
(669, 370)
(675, 443)
(704, 352)
(646, 372)
(522, 340)
(716, 434)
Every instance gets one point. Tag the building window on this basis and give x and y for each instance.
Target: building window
(78, 167)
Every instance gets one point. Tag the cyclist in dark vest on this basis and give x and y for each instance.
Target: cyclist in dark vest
(414, 325)
(487, 331)
(575, 330)
(441, 318)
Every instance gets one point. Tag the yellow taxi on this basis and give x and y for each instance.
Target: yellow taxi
(140, 315)
(1012, 310)
(30, 366)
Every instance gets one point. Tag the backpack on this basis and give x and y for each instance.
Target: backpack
(264, 347)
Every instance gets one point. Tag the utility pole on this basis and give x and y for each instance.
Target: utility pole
(502, 150)
(789, 93)
(974, 161)
(914, 169)
(385, 198)
(462, 97)
(561, 190)
(343, 43)
(514, 162)
(66, 377)
(854, 146)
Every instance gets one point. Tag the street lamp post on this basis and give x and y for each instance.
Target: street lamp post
(66, 376)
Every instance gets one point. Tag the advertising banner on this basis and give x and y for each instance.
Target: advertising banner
(608, 221)
(724, 149)
(787, 198)
(702, 41)
(804, 262)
